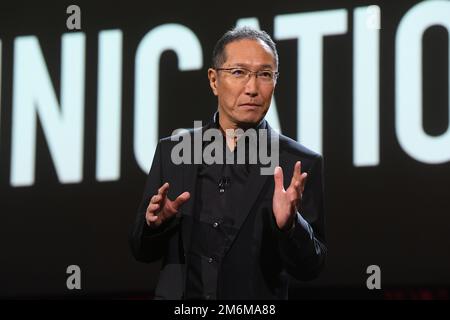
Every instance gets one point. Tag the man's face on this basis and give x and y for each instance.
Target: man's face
(243, 103)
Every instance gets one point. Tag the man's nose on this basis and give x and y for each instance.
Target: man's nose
(251, 87)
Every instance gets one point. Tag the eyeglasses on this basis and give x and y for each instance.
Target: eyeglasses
(242, 75)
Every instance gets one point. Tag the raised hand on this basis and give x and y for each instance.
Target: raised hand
(161, 208)
(286, 202)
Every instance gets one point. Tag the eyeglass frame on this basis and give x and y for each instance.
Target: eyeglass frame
(275, 74)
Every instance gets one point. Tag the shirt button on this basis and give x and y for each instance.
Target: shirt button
(210, 260)
(215, 224)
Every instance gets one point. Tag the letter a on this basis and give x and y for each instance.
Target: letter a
(374, 281)
(74, 280)
(73, 22)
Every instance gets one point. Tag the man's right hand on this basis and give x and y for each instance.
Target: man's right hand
(161, 208)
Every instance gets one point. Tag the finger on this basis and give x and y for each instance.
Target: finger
(156, 199)
(163, 190)
(180, 200)
(278, 178)
(162, 193)
(297, 172)
(295, 191)
(151, 218)
(300, 184)
(153, 207)
(304, 178)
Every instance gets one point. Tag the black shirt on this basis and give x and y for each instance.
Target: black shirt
(219, 190)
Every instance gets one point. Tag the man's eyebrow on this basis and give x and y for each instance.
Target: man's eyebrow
(266, 66)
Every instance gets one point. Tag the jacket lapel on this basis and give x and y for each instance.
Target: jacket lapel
(189, 184)
(189, 176)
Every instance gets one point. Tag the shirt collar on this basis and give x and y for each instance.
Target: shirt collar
(260, 125)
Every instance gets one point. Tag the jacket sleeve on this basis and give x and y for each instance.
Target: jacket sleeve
(303, 248)
(150, 244)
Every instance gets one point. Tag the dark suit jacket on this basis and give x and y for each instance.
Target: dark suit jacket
(261, 256)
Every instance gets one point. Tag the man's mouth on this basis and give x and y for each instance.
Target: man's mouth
(250, 104)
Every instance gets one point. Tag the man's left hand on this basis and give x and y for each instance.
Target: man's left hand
(287, 202)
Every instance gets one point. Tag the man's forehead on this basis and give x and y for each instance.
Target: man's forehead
(249, 53)
(247, 45)
(249, 65)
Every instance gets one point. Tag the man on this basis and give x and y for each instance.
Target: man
(225, 231)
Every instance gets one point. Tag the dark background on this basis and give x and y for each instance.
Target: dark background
(394, 215)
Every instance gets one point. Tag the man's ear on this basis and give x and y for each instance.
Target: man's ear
(212, 76)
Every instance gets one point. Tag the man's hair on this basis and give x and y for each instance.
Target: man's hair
(236, 34)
